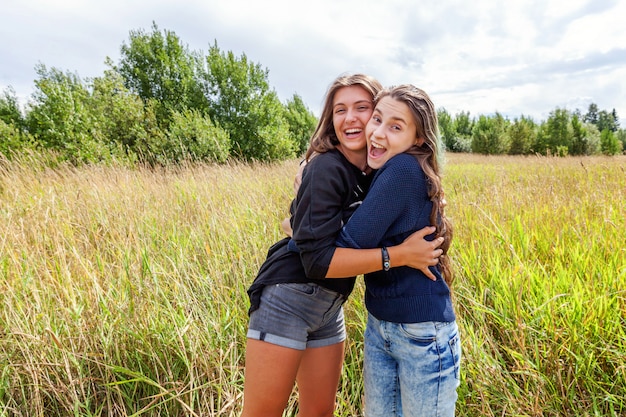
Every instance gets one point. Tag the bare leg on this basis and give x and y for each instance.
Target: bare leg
(318, 379)
(269, 378)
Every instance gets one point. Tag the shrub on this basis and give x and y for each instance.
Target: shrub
(193, 136)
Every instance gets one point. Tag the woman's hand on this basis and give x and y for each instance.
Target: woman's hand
(286, 226)
(419, 253)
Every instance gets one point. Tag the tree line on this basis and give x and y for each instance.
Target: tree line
(162, 103)
(563, 133)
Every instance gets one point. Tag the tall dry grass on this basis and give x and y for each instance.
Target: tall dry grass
(541, 295)
(123, 290)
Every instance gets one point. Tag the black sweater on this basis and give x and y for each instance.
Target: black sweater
(330, 191)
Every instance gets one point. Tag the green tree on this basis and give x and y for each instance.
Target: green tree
(609, 144)
(12, 139)
(522, 134)
(489, 135)
(463, 124)
(446, 129)
(120, 114)
(580, 143)
(301, 122)
(615, 118)
(12, 136)
(555, 136)
(608, 121)
(592, 114)
(10, 112)
(158, 66)
(60, 116)
(242, 102)
(151, 147)
(592, 139)
(621, 136)
(193, 136)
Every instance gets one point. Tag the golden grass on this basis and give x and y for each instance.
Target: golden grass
(123, 290)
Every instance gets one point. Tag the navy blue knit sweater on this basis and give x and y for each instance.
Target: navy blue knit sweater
(396, 206)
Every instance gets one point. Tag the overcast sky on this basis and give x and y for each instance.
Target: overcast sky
(518, 57)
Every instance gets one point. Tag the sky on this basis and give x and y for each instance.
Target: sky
(515, 57)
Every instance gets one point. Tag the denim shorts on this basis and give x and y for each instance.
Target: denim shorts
(411, 369)
(298, 316)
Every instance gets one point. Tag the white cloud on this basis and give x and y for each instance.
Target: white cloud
(519, 57)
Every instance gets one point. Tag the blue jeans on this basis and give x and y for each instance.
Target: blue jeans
(411, 369)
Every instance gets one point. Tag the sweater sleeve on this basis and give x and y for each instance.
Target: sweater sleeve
(389, 208)
(317, 214)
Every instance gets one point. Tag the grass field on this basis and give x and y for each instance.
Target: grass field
(122, 291)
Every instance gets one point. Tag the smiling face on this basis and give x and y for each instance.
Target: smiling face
(390, 131)
(352, 108)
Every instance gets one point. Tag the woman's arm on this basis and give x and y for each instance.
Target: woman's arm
(328, 186)
(415, 252)
(399, 190)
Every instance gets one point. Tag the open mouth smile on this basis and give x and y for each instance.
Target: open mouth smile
(376, 149)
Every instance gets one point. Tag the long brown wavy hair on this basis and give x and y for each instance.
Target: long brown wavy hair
(324, 137)
(430, 157)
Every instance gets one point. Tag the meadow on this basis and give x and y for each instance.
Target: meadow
(123, 290)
